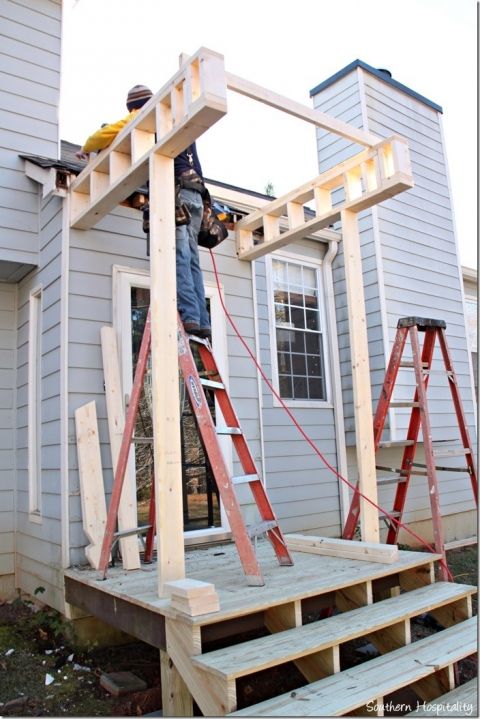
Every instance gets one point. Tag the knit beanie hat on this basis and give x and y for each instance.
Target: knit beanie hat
(137, 96)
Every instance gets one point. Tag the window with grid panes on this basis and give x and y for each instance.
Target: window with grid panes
(298, 330)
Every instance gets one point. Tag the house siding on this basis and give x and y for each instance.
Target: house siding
(410, 268)
(30, 81)
(39, 540)
(7, 439)
(303, 492)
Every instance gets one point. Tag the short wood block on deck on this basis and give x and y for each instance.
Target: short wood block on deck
(192, 596)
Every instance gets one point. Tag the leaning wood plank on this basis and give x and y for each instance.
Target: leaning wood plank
(350, 549)
(127, 511)
(92, 492)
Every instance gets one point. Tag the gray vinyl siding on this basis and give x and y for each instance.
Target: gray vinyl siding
(303, 492)
(116, 240)
(29, 96)
(7, 438)
(38, 544)
(410, 268)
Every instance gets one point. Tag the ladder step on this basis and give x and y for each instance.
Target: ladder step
(410, 364)
(397, 443)
(396, 479)
(228, 430)
(128, 532)
(256, 530)
(440, 468)
(404, 403)
(244, 478)
(457, 452)
(211, 384)
(395, 515)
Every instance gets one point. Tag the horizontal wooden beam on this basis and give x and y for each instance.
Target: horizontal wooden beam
(303, 112)
(188, 105)
(346, 548)
(360, 182)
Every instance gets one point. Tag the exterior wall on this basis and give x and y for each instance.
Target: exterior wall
(411, 267)
(116, 240)
(7, 439)
(29, 95)
(38, 538)
(304, 494)
(343, 100)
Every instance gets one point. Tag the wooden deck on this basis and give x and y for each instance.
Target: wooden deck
(371, 600)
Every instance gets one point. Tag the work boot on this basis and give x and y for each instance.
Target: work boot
(191, 328)
(205, 333)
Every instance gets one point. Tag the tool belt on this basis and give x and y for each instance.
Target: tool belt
(189, 180)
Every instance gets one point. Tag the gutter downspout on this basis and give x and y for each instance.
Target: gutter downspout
(336, 378)
(64, 443)
(259, 379)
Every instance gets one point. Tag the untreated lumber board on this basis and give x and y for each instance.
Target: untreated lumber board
(290, 644)
(165, 389)
(127, 510)
(362, 395)
(350, 549)
(461, 702)
(296, 109)
(92, 492)
(344, 692)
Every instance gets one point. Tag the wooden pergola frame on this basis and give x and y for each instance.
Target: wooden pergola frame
(187, 105)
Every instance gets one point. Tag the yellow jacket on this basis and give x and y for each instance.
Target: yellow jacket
(104, 137)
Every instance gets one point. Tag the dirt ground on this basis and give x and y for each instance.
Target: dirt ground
(42, 673)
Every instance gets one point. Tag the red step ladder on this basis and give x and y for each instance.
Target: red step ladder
(421, 363)
(196, 386)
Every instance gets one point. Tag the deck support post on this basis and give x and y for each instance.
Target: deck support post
(165, 390)
(362, 395)
(176, 699)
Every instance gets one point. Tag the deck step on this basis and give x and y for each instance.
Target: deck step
(258, 654)
(460, 702)
(353, 688)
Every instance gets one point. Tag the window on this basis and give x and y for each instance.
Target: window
(298, 331)
(34, 402)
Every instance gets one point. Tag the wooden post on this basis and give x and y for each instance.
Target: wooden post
(362, 396)
(165, 390)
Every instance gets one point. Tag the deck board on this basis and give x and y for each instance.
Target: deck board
(311, 575)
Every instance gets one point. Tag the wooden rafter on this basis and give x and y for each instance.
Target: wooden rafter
(191, 102)
(363, 180)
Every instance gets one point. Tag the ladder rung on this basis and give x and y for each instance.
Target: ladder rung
(441, 468)
(391, 514)
(404, 403)
(228, 430)
(458, 452)
(199, 340)
(129, 532)
(397, 443)
(211, 384)
(243, 478)
(391, 480)
(255, 530)
(410, 363)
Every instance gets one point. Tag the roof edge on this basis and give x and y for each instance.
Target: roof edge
(378, 74)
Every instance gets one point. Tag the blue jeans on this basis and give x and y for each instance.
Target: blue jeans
(190, 290)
